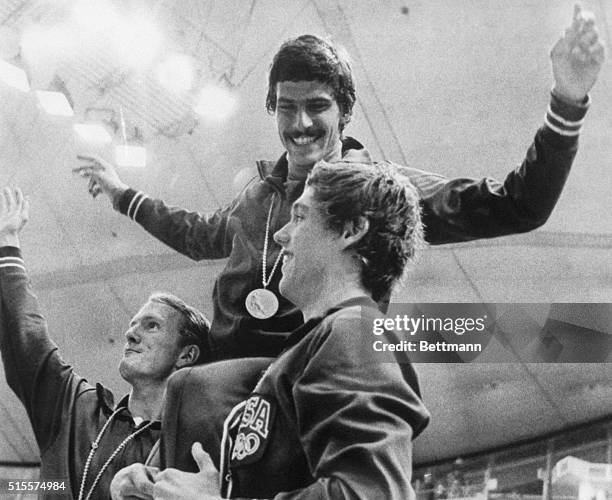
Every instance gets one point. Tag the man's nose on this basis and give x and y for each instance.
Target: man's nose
(304, 121)
(132, 335)
(282, 235)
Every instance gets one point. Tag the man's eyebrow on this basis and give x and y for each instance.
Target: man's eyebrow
(147, 317)
(319, 99)
(299, 206)
(311, 100)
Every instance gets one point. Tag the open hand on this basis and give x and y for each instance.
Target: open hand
(14, 212)
(577, 57)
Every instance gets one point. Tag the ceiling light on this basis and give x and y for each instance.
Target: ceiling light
(54, 103)
(137, 42)
(130, 156)
(43, 48)
(14, 76)
(92, 133)
(215, 102)
(95, 15)
(176, 73)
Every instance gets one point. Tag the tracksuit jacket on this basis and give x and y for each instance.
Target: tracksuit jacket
(66, 412)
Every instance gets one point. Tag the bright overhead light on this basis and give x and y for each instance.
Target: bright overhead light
(137, 41)
(176, 73)
(215, 102)
(43, 48)
(130, 156)
(92, 133)
(95, 15)
(14, 76)
(54, 103)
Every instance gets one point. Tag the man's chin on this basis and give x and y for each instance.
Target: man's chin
(304, 159)
(125, 369)
(285, 288)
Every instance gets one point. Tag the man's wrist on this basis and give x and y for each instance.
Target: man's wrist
(9, 240)
(116, 195)
(569, 99)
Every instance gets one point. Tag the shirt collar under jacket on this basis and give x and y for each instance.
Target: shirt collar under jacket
(107, 402)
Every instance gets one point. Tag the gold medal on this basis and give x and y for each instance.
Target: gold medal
(261, 303)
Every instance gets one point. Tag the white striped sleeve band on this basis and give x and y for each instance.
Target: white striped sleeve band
(12, 262)
(561, 125)
(137, 200)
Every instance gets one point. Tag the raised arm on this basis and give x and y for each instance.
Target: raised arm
(193, 234)
(463, 209)
(32, 365)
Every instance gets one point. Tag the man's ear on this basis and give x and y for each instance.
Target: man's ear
(345, 120)
(188, 356)
(355, 230)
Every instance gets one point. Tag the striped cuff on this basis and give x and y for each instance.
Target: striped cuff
(564, 118)
(10, 257)
(130, 203)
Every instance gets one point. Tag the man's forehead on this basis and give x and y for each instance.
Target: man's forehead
(304, 90)
(305, 200)
(155, 310)
(306, 203)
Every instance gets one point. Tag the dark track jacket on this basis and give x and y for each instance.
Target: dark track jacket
(66, 412)
(454, 210)
(327, 420)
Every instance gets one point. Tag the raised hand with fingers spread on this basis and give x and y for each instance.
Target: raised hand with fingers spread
(14, 213)
(577, 57)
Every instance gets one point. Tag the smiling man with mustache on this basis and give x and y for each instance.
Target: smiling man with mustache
(83, 436)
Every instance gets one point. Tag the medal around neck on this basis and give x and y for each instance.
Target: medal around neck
(261, 303)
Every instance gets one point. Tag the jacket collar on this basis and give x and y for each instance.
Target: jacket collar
(303, 330)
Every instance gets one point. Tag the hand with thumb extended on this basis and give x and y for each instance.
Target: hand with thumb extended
(203, 460)
(179, 485)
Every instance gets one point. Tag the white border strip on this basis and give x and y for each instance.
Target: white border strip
(560, 131)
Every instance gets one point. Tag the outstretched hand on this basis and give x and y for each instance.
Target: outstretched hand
(577, 57)
(178, 485)
(14, 213)
(102, 177)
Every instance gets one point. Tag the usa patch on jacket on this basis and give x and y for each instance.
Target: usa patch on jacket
(254, 430)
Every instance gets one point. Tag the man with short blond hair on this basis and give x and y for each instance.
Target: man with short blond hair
(82, 435)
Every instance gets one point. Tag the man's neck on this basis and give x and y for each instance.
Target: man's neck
(146, 401)
(332, 292)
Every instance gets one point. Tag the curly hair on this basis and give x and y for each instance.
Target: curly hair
(310, 58)
(194, 327)
(346, 191)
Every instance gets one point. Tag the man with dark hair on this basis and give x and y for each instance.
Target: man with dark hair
(311, 94)
(83, 437)
(328, 419)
